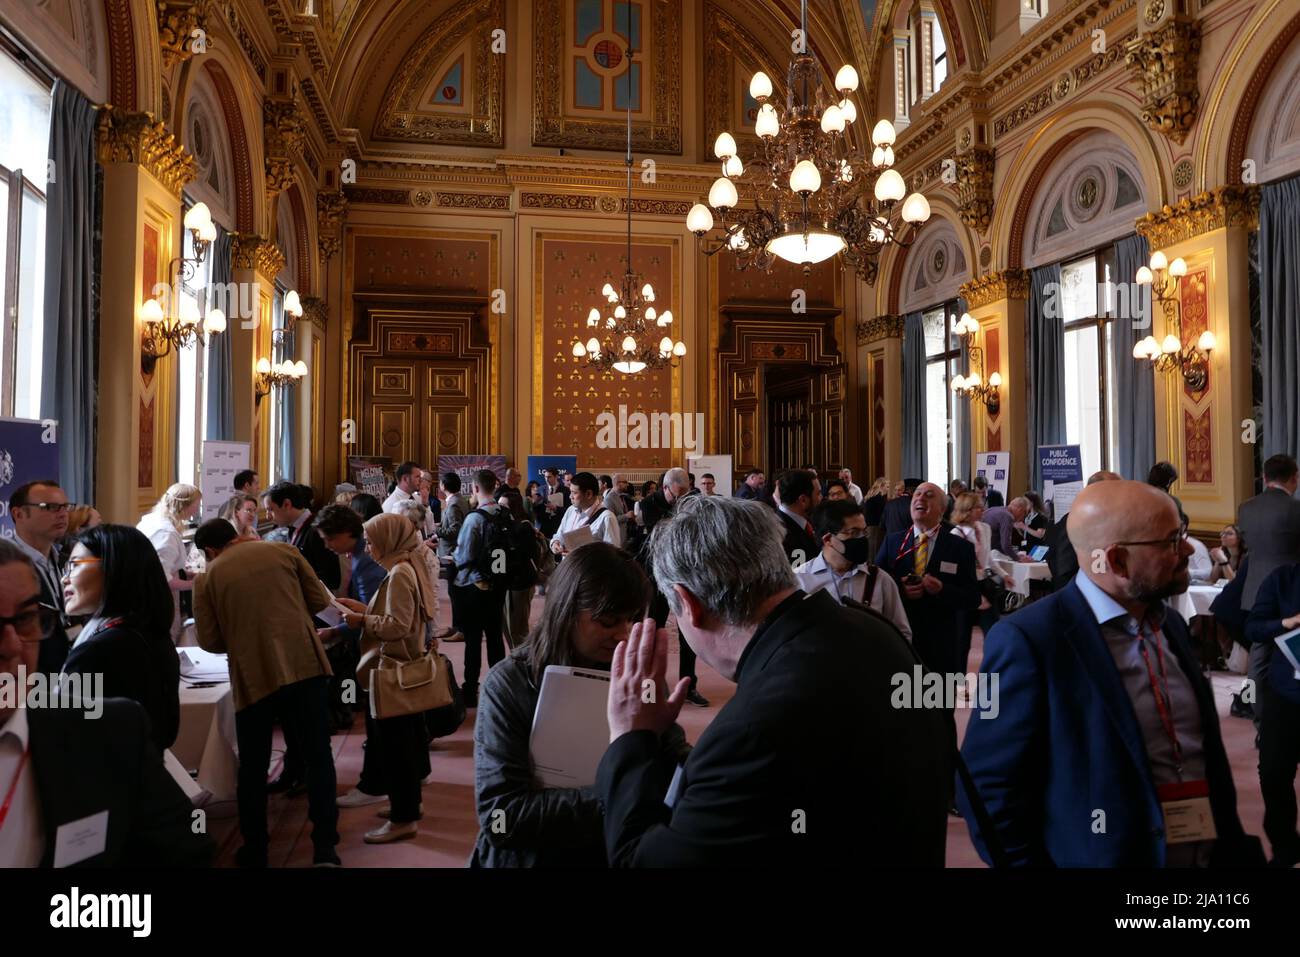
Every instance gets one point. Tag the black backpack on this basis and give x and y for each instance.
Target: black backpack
(516, 543)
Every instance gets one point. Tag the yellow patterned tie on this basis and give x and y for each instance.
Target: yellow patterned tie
(922, 554)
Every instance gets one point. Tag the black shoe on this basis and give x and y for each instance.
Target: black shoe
(953, 811)
(1239, 708)
(287, 785)
(697, 699)
(248, 857)
(470, 695)
(326, 857)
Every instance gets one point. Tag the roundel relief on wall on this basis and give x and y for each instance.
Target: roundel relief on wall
(1087, 193)
(939, 261)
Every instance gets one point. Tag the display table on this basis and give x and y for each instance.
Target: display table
(1195, 601)
(206, 740)
(1022, 573)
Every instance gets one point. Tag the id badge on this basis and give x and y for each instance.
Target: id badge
(1187, 811)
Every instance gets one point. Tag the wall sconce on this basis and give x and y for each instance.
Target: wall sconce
(973, 386)
(292, 313)
(161, 332)
(283, 373)
(1170, 355)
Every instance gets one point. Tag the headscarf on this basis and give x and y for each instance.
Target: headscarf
(393, 540)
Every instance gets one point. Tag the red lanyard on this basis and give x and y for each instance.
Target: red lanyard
(903, 550)
(13, 787)
(1164, 704)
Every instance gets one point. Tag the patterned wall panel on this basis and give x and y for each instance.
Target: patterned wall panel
(992, 364)
(461, 265)
(877, 415)
(777, 286)
(568, 396)
(1198, 438)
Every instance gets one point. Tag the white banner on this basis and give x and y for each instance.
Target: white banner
(996, 467)
(719, 466)
(221, 460)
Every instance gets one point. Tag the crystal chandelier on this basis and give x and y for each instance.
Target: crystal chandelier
(814, 196)
(624, 339)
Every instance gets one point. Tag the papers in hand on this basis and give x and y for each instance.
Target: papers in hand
(199, 666)
(570, 729)
(577, 537)
(555, 499)
(332, 614)
(1290, 645)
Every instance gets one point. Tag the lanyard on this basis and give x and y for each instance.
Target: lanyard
(903, 550)
(13, 787)
(1164, 704)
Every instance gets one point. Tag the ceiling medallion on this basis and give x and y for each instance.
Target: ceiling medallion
(814, 196)
(628, 345)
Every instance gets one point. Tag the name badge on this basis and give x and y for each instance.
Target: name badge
(947, 568)
(1187, 811)
(81, 840)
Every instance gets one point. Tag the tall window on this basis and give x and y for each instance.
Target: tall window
(191, 395)
(940, 64)
(942, 362)
(24, 145)
(278, 354)
(1088, 311)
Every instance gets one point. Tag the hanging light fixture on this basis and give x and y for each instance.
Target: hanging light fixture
(973, 385)
(625, 338)
(271, 374)
(814, 196)
(1169, 354)
(161, 332)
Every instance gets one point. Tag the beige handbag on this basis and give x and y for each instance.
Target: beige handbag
(400, 688)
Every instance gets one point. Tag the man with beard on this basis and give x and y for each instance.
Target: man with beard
(1102, 747)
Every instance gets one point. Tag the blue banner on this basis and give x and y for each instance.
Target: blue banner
(29, 451)
(565, 464)
(1060, 463)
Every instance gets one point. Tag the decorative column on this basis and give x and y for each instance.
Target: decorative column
(997, 302)
(313, 427)
(331, 208)
(1162, 61)
(145, 170)
(880, 359)
(1209, 433)
(975, 186)
(177, 21)
(256, 262)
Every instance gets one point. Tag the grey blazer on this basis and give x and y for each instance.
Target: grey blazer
(1270, 524)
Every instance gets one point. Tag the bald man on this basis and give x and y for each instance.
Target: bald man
(1104, 750)
(935, 572)
(1060, 553)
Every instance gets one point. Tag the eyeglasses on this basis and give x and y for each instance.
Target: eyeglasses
(75, 563)
(55, 507)
(34, 624)
(1173, 543)
(852, 533)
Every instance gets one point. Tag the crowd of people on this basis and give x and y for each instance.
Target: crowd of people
(812, 596)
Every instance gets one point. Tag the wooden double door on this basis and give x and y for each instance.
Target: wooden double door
(421, 381)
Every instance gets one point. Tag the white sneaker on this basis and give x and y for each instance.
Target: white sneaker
(391, 832)
(355, 798)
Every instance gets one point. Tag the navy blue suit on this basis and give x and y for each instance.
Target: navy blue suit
(1066, 743)
(939, 622)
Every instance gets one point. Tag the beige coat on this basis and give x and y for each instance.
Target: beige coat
(255, 603)
(393, 621)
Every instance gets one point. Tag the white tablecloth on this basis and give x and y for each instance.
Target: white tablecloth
(1195, 601)
(1023, 573)
(206, 740)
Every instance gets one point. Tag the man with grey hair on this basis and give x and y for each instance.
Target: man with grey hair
(811, 724)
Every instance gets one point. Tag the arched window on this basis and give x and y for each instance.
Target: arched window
(921, 62)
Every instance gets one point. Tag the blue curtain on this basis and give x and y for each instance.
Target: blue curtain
(914, 420)
(961, 425)
(1279, 304)
(1045, 340)
(68, 352)
(220, 397)
(1135, 388)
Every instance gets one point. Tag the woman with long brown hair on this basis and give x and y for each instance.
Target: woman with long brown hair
(395, 619)
(593, 599)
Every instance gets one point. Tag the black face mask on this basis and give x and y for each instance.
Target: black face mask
(856, 551)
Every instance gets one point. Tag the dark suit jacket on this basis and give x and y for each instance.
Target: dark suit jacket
(1270, 524)
(1066, 741)
(873, 509)
(810, 727)
(1278, 598)
(897, 516)
(797, 543)
(994, 499)
(1061, 560)
(549, 522)
(939, 623)
(111, 764)
(323, 561)
(139, 666)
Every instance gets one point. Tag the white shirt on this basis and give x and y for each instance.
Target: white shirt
(856, 492)
(22, 839)
(47, 569)
(981, 536)
(394, 500)
(1199, 565)
(605, 528)
(817, 575)
(166, 541)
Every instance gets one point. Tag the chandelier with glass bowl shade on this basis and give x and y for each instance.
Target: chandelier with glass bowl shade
(814, 196)
(624, 338)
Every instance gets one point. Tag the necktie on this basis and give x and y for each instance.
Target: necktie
(807, 527)
(922, 554)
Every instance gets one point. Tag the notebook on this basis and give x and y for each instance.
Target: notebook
(570, 729)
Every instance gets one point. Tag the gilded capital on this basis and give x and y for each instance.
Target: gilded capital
(1203, 213)
(331, 208)
(975, 187)
(124, 137)
(995, 286)
(314, 311)
(879, 327)
(177, 21)
(1163, 65)
(249, 251)
(282, 131)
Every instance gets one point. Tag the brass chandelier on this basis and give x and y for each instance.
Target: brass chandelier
(1169, 354)
(814, 196)
(624, 339)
